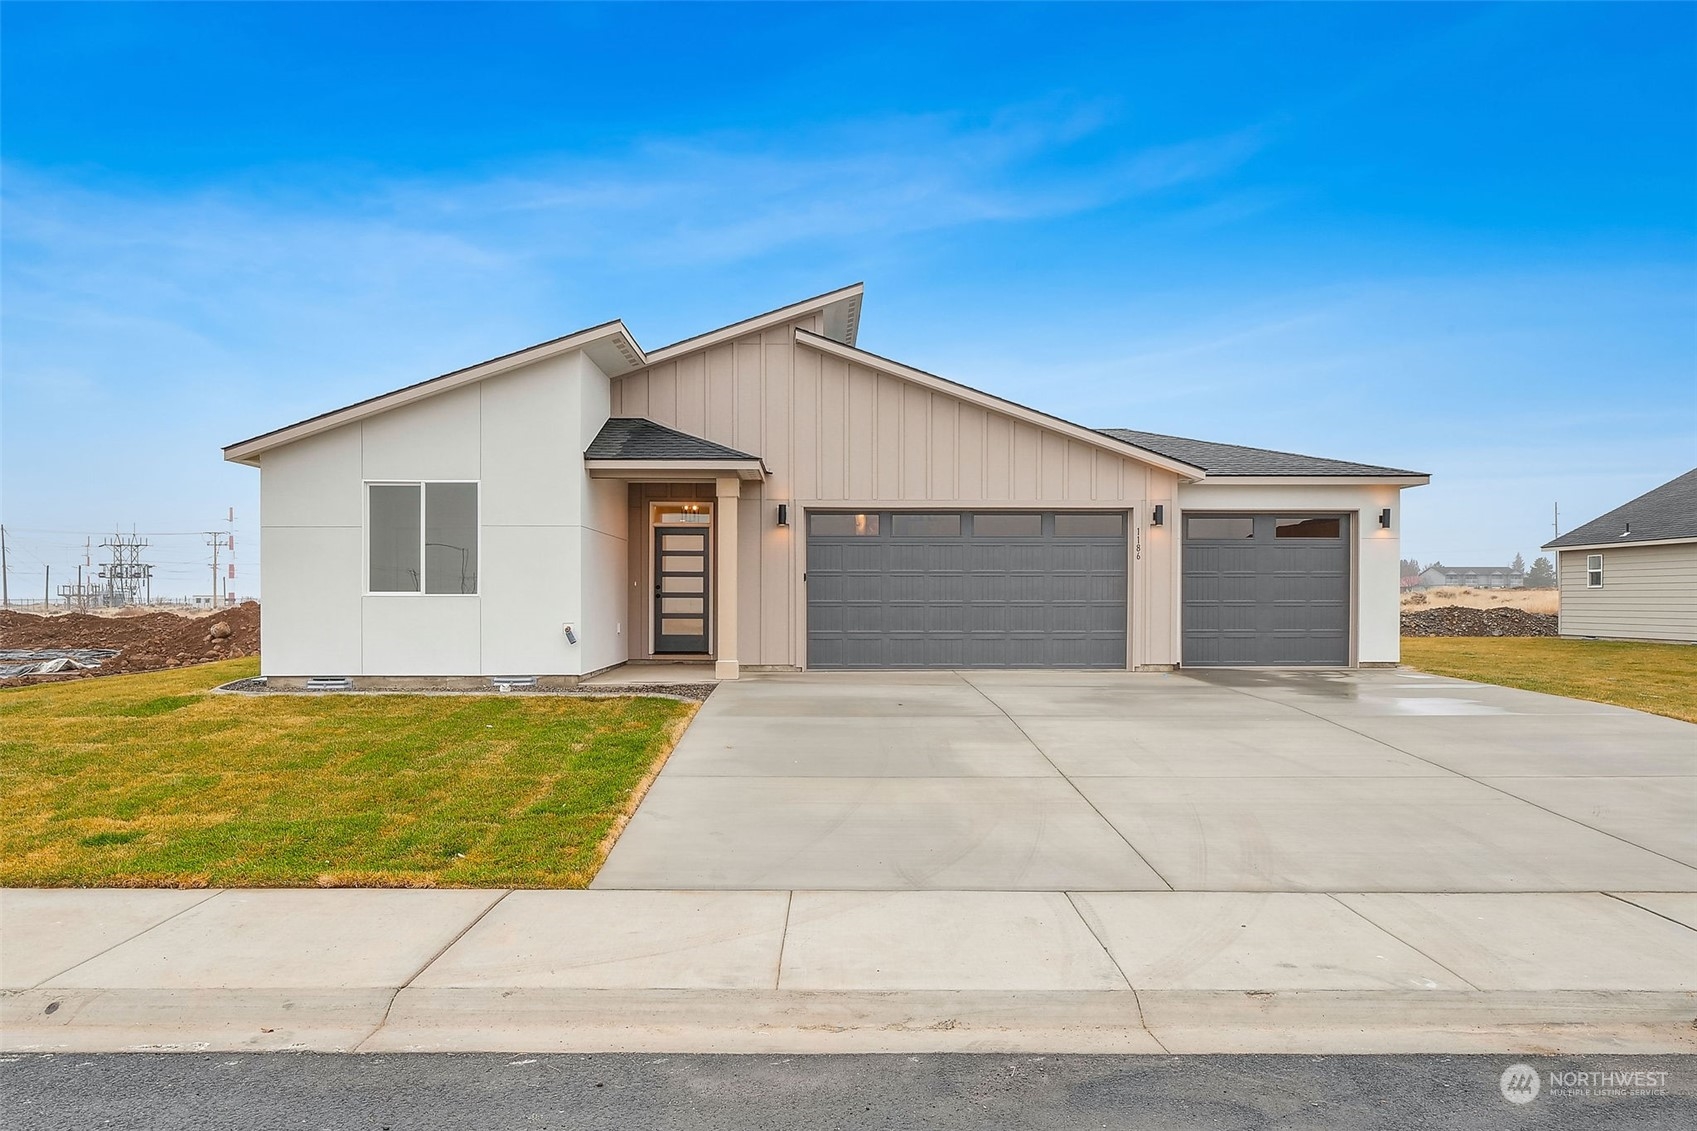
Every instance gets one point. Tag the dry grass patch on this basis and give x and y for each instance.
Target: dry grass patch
(1532, 600)
(1659, 678)
(150, 780)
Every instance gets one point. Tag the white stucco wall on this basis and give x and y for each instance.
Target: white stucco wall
(551, 547)
(1377, 597)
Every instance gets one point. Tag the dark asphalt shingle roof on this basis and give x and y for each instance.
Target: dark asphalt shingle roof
(1668, 512)
(1234, 459)
(632, 437)
(1471, 569)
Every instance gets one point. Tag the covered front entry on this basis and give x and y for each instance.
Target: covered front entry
(1266, 590)
(682, 580)
(966, 589)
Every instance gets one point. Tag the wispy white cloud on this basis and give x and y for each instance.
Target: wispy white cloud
(150, 323)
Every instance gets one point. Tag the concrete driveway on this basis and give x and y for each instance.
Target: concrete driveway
(1373, 781)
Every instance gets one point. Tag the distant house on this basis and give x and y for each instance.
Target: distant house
(1475, 577)
(1632, 574)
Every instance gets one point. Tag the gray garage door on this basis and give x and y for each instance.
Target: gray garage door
(896, 589)
(1266, 589)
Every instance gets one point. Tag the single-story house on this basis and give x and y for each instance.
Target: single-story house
(1476, 577)
(771, 496)
(1632, 574)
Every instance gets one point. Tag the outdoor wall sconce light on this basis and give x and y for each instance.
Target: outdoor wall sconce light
(783, 514)
(1385, 518)
(1160, 515)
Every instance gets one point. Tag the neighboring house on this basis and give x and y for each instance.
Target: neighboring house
(1476, 577)
(1632, 574)
(770, 496)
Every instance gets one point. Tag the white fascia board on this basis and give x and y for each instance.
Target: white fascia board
(673, 470)
(1320, 480)
(1621, 545)
(608, 344)
(997, 404)
(842, 307)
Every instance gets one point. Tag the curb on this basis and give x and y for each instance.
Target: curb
(521, 1019)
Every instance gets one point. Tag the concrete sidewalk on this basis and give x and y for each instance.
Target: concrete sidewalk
(814, 971)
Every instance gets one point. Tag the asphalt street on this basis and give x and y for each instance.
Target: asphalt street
(426, 1092)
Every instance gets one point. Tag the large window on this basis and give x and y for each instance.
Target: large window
(422, 537)
(1593, 571)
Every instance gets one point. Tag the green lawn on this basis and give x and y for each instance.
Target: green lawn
(149, 780)
(1660, 678)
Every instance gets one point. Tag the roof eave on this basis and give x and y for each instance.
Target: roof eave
(674, 470)
(841, 308)
(1366, 479)
(998, 404)
(1618, 543)
(616, 340)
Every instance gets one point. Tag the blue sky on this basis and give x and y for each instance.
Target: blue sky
(1456, 238)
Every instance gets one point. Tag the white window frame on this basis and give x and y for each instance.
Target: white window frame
(1593, 571)
(365, 538)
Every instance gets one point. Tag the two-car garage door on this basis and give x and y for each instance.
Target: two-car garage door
(985, 589)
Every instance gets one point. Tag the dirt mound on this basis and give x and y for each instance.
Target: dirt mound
(145, 642)
(1458, 620)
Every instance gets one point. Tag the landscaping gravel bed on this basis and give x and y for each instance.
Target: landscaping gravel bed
(1458, 620)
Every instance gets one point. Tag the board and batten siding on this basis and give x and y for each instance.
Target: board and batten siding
(838, 433)
(1648, 593)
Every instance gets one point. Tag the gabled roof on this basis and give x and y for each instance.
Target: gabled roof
(635, 438)
(1234, 459)
(610, 345)
(841, 310)
(1666, 514)
(1079, 432)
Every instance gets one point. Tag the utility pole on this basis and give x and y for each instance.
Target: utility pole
(46, 586)
(1555, 519)
(5, 572)
(212, 539)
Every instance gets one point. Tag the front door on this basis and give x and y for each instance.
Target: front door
(680, 590)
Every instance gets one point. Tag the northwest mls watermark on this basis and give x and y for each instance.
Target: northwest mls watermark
(1521, 1083)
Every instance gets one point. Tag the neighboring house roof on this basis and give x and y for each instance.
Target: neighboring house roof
(1666, 514)
(1234, 459)
(634, 438)
(1474, 569)
(610, 345)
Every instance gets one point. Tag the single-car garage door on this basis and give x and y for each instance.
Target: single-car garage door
(973, 589)
(1265, 589)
